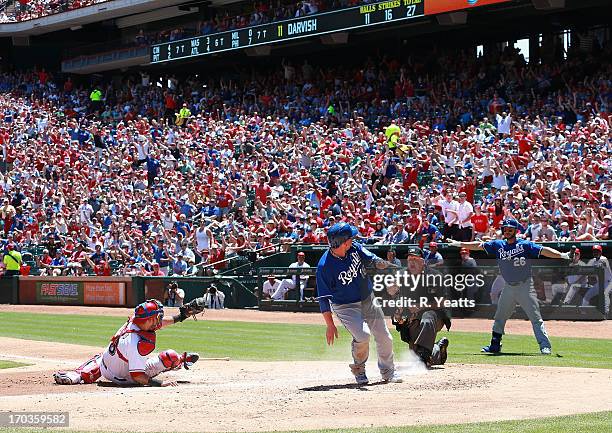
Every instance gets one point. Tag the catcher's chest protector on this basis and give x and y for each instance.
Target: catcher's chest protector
(146, 341)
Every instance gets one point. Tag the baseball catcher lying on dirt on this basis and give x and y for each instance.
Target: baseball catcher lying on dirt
(125, 361)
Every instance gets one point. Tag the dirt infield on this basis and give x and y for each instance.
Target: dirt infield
(221, 396)
(263, 396)
(555, 328)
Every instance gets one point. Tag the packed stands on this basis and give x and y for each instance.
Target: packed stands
(233, 16)
(113, 177)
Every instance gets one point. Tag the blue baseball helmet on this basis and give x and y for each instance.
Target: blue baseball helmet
(340, 233)
(511, 223)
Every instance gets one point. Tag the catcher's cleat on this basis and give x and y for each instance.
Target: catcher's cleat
(492, 348)
(189, 359)
(443, 345)
(362, 379)
(65, 378)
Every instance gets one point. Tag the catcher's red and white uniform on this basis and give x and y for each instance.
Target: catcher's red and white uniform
(127, 353)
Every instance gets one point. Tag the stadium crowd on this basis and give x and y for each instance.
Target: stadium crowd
(228, 18)
(23, 10)
(157, 177)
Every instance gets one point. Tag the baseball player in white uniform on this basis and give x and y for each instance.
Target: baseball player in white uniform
(600, 261)
(292, 282)
(125, 361)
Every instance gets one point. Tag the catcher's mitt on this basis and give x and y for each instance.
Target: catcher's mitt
(191, 308)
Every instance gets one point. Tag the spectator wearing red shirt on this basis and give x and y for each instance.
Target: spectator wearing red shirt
(310, 237)
(225, 201)
(155, 272)
(480, 222)
(44, 261)
(102, 269)
(170, 106)
(367, 230)
(412, 221)
(468, 186)
(262, 191)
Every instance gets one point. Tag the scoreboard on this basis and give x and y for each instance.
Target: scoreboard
(311, 25)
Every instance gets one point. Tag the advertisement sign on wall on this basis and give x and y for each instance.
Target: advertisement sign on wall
(80, 292)
(104, 293)
(61, 292)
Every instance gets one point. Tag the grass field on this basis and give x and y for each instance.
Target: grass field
(600, 422)
(11, 364)
(285, 342)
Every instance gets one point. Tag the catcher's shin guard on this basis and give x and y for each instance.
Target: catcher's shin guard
(170, 359)
(90, 370)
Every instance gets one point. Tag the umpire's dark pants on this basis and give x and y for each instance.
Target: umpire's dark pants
(423, 333)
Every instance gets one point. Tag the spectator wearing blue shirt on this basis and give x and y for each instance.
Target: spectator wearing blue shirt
(186, 208)
(432, 257)
(427, 232)
(161, 256)
(182, 227)
(58, 264)
(153, 167)
(179, 265)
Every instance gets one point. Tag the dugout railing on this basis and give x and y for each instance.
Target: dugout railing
(560, 289)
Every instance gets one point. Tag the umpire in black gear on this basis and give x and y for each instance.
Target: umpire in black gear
(418, 324)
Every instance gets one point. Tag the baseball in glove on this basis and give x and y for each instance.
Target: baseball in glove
(191, 308)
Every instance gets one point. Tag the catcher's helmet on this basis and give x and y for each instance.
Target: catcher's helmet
(146, 310)
(340, 233)
(511, 223)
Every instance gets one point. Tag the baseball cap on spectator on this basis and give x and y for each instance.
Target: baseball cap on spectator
(415, 252)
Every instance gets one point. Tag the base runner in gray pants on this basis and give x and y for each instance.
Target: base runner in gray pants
(514, 261)
(344, 288)
(362, 319)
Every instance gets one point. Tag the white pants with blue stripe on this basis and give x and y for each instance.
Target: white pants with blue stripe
(362, 319)
(523, 294)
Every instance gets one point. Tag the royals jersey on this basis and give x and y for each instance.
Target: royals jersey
(513, 259)
(126, 353)
(344, 281)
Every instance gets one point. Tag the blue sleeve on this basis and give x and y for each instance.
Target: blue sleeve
(367, 257)
(323, 289)
(533, 250)
(490, 247)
